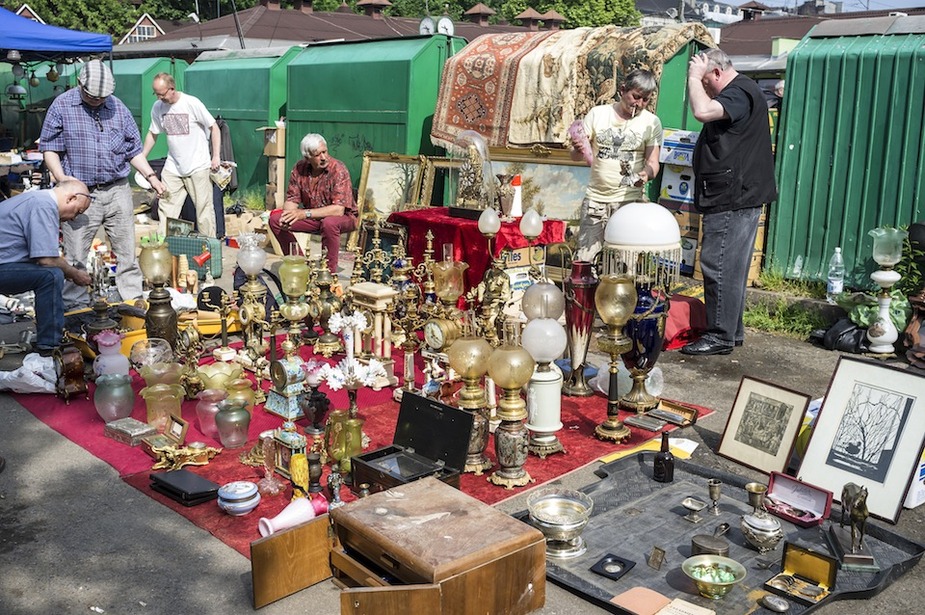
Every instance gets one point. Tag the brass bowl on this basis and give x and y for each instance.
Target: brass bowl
(218, 375)
(713, 590)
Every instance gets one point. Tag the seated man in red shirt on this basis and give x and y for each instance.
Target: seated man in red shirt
(319, 200)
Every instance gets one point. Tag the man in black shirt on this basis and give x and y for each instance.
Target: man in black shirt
(734, 172)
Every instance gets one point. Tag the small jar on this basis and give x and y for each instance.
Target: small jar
(762, 531)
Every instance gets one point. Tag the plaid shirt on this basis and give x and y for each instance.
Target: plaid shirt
(332, 187)
(95, 145)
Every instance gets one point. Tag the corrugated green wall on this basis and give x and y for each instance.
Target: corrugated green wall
(248, 90)
(133, 87)
(367, 96)
(850, 149)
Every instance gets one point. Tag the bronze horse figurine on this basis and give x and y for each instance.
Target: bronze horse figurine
(854, 502)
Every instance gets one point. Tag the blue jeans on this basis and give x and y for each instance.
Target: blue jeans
(725, 257)
(48, 283)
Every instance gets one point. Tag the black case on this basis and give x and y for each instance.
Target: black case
(431, 439)
(185, 487)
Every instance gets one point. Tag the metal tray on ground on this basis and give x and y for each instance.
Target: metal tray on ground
(632, 514)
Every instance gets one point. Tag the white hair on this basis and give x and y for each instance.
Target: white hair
(311, 143)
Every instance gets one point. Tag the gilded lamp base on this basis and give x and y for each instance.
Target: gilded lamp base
(612, 430)
(509, 482)
(543, 445)
(327, 345)
(576, 385)
(639, 400)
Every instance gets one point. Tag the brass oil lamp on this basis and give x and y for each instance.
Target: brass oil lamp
(468, 356)
(615, 299)
(328, 304)
(156, 264)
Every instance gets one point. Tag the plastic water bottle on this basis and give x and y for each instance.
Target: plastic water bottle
(836, 282)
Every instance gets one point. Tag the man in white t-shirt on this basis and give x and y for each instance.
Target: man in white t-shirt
(190, 130)
(623, 142)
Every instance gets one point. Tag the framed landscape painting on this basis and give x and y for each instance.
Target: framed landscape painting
(869, 432)
(763, 425)
(389, 182)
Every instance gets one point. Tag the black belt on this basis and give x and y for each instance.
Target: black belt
(104, 184)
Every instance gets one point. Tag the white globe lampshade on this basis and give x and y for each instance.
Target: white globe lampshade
(489, 222)
(644, 225)
(531, 225)
(544, 339)
(543, 300)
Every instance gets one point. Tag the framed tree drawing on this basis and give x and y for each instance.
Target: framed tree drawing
(870, 431)
(389, 182)
(763, 425)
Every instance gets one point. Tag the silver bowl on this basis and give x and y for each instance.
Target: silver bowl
(714, 590)
(561, 514)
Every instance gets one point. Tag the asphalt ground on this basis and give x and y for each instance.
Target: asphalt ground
(74, 538)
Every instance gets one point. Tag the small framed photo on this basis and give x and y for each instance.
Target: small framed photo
(177, 227)
(870, 431)
(763, 425)
(176, 429)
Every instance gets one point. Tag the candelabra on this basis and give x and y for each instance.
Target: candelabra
(614, 298)
(215, 299)
(374, 262)
(329, 304)
(411, 307)
(510, 367)
(888, 249)
(253, 294)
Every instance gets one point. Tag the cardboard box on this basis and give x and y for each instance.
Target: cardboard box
(677, 184)
(274, 141)
(916, 494)
(678, 147)
(688, 219)
(520, 278)
(521, 257)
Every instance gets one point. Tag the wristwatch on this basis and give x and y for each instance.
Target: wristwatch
(308, 214)
(150, 175)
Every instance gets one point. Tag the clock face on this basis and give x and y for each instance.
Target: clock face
(433, 335)
(445, 26)
(427, 26)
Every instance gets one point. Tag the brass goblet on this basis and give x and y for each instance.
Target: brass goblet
(714, 485)
(756, 493)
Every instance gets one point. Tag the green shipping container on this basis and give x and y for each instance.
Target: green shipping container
(133, 87)
(367, 96)
(851, 148)
(246, 88)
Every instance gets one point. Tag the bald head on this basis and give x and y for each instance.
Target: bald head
(73, 198)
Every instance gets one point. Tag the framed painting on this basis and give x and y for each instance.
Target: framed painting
(388, 183)
(870, 431)
(763, 425)
(439, 172)
(177, 227)
(552, 182)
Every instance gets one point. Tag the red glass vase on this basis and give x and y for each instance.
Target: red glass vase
(579, 319)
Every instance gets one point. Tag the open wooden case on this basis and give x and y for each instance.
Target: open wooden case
(174, 436)
(431, 439)
(422, 547)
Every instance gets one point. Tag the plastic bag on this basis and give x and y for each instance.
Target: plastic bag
(655, 382)
(32, 377)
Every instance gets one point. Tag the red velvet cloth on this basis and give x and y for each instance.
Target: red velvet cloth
(687, 320)
(80, 423)
(469, 245)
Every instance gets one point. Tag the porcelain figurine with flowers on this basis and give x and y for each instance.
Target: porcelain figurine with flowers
(350, 373)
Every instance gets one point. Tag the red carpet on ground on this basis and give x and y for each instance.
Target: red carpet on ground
(79, 422)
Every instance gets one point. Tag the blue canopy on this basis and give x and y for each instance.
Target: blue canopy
(36, 41)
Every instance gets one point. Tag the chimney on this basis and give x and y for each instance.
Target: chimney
(552, 20)
(302, 6)
(373, 8)
(479, 14)
(530, 19)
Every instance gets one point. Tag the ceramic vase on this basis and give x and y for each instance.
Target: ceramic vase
(110, 359)
(207, 408)
(579, 318)
(298, 511)
(232, 420)
(113, 397)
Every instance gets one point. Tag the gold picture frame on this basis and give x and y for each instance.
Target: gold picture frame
(437, 173)
(388, 183)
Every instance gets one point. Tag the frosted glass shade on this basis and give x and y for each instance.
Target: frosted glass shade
(642, 224)
(468, 356)
(531, 225)
(543, 300)
(489, 222)
(510, 367)
(544, 339)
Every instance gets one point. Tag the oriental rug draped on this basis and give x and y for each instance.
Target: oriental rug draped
(79, 422)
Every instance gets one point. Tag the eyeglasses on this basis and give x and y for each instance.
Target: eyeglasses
(84, 91)
(164, 93)
(90, 197)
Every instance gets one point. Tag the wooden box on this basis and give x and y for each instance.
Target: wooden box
(174, 436)
(431, 439)
(425, 547)
(798, 502)
(807, 576)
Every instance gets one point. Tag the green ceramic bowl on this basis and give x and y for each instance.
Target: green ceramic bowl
(703, 569)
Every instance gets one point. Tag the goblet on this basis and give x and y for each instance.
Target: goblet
(756, 493)
(714, 485)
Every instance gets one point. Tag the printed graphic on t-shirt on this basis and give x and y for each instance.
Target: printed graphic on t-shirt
(176, 123)
(610, 143)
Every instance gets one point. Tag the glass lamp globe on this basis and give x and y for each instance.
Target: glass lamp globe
(251, 256)
(642, 224)
(510, 366)
(34, 81)
(543, 300)
(615, 299)
(18, 71)
(468, 356)
(489, 222)
(293, 274)
(531, 225)
(888, 245)
(544, 339)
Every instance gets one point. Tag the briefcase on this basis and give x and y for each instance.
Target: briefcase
(196, 246)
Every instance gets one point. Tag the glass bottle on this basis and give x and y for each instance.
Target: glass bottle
(663, 470)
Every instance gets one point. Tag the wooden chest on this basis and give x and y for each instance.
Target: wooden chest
(427, 545)
(431, 439)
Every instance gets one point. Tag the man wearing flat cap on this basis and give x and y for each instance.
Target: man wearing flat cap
(90, 135)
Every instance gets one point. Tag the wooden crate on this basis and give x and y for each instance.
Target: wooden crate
(432, 540)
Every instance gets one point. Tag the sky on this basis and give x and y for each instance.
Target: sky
(858, 5)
